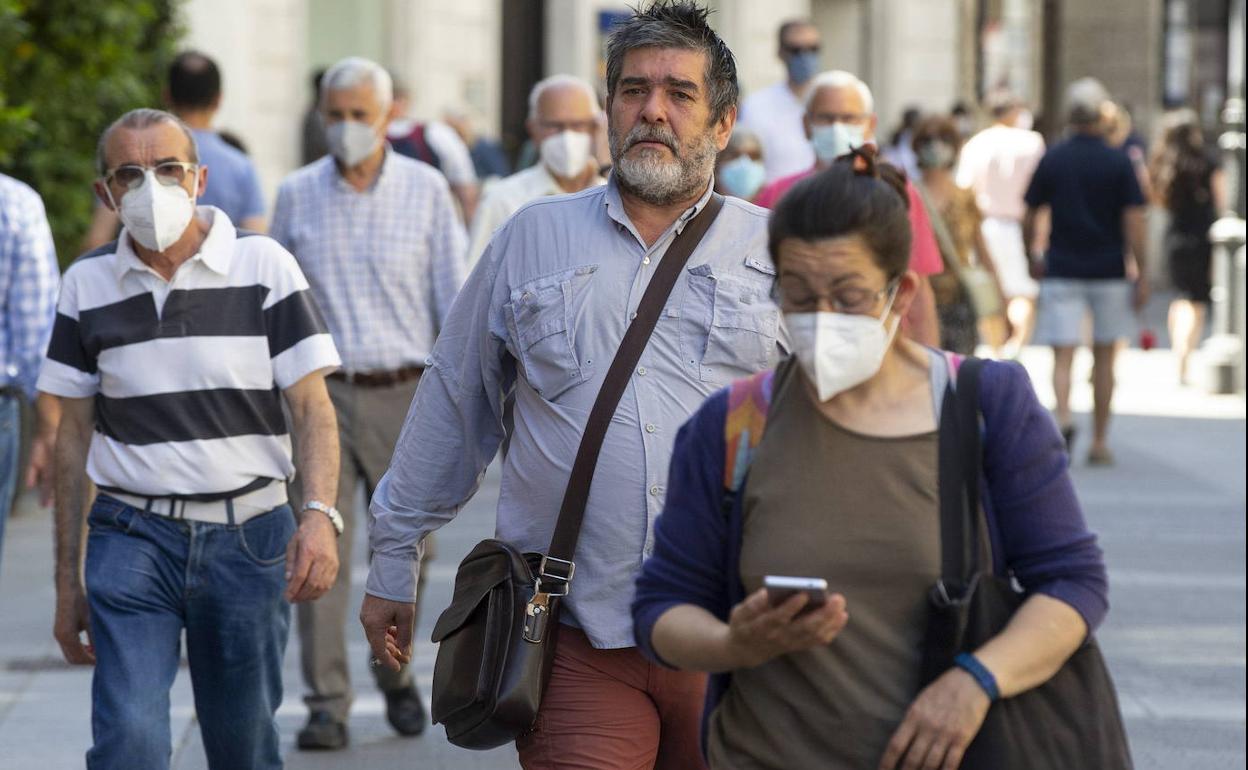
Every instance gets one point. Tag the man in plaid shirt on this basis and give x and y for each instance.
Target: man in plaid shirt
(28, 285)
(379, 239)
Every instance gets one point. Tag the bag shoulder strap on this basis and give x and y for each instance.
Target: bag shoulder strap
(960, 465)
(576, 494)
(748, 402)
(944, 239)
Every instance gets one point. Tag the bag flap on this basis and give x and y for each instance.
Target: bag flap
(489, 564)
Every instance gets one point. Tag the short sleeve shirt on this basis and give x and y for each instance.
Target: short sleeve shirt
(187, 374)
(233, 185)
(1087, 186)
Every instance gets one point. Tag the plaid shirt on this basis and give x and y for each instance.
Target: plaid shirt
(384, 264)
(28, 283)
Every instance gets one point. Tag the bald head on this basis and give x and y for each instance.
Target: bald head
(562, 103)
(152, 126)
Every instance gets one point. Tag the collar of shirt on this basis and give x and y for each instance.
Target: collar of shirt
(215, 252)
(341, 184)
(615, 209)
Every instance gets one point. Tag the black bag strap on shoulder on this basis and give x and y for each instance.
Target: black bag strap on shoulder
(961, 453)
(557, 566)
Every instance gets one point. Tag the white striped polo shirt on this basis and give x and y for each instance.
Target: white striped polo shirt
(187, 374)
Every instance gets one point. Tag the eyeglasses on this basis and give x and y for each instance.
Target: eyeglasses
(828, 118)
(796, 296)
(170, 173)
(559, 126)
(794, 50)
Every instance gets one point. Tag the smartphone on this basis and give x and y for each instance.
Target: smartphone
(780, 588)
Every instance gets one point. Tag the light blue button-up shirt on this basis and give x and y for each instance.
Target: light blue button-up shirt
(545, 310)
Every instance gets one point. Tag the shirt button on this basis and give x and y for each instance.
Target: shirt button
(641, 370)
(650, 428)
(654, 490)
(645, 261)
(632, 316)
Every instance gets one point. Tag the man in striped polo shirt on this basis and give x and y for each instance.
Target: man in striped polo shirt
(172, 351)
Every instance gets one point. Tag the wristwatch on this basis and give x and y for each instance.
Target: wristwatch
(335, 517)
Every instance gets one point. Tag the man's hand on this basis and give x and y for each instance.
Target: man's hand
(758, 632)
(311, 558)
(939, 725)
(389, 627)
(39, 471)
(70, 623)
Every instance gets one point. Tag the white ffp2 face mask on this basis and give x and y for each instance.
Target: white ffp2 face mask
(566, 154)
(839, 351)
(351, 141)
(156, 215)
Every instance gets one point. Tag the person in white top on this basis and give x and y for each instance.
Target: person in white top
(437, 144)
(997, 164)
(563, 120)
(775, 114)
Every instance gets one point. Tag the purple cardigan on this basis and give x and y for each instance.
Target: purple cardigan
(1035, 522)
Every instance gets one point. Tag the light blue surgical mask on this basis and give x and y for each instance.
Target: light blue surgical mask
(835, 139)
(742, 177)
(802, 66)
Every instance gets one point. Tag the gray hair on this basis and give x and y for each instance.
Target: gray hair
(1085, 98)
(840, 79)
(144, 117)
(354, 70)
(677, 24)
(560, 81)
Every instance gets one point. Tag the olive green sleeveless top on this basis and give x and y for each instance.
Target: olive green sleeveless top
(863, 513)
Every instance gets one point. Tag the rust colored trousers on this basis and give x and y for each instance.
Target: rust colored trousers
(614, 710)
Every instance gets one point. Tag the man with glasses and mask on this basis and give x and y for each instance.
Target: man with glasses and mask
(774, 114)
(173, 350)
(563, 118)
(379, 238)
(840, 115)
(541, 318)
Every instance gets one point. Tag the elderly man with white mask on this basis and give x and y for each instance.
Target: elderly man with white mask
(563, 118)
(173, 350)
(380, 240)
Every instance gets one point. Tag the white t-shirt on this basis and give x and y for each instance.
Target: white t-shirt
(997, 163)
(775, 115)
(454, 160)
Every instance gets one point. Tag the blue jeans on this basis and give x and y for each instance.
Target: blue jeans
(10, 448)
(148, 578)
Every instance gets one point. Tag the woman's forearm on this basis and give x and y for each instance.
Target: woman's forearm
(690, 638)
(1038, 640)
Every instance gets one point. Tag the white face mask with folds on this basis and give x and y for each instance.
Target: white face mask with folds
(351, 141)
(839, 351)
(566, 154)
(155, 214)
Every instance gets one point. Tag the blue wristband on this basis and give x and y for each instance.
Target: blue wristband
(971, 665)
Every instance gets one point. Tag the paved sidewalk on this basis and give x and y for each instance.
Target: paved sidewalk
(1170, 516)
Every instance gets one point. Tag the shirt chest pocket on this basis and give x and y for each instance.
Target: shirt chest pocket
(542, 315)
(729, 323)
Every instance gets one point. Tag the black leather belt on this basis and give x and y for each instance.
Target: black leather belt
(381, 379)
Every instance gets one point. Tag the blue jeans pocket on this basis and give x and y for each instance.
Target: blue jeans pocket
(263, 539)
(112, 513)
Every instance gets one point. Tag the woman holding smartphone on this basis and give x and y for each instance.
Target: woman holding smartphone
(843, 487)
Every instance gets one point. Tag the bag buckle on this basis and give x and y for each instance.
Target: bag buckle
(563, 583)
(537, 618)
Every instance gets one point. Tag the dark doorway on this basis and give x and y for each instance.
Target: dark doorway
(524, 54)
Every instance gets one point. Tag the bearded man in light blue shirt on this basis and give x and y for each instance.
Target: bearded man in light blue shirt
(539, 320)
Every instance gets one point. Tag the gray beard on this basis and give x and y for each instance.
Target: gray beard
(660, 181)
